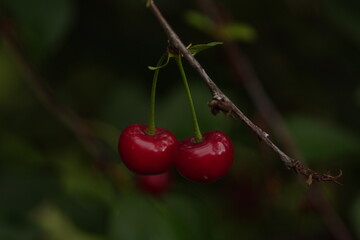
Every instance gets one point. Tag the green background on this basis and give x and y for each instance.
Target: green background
(93, 55)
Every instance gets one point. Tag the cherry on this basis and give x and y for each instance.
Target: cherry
(207, 160)
(145, 153)
(155, 185)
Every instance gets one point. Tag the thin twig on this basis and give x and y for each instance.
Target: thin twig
(221, 102)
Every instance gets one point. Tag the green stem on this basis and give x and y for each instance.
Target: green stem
(198, 135)
(151, 127)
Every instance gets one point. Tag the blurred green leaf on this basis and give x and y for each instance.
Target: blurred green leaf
(42, 23)
(137, 218)
(86, 212)
(78, 178)
(201, 47)
(355, 214)
(189, 218)
(232, 31)
(320, 140)
(199, 21)
(57, 226)
(174, 217)
(239, 31)
(87, 195)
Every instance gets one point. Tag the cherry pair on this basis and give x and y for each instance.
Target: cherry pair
(150, 154)
(148, 150)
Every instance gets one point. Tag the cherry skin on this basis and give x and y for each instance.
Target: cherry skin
(147, 154)
(155, 185)
(204, 161)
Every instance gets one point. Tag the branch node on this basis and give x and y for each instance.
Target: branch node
(289, 162)
(218, 104)
(172, 49)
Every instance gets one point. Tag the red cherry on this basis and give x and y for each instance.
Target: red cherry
(154, 184)
(147, 154)
(205, 161)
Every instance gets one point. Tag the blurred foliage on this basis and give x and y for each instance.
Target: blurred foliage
(321, 141)
(94, 56)
(41, 23)
(230, 31)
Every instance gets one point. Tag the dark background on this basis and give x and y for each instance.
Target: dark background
(93, 56)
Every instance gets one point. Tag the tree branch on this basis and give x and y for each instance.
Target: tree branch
(267, 109)
(220, 102)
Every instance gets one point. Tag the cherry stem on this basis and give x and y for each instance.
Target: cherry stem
(151, 128)
(198, 135)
